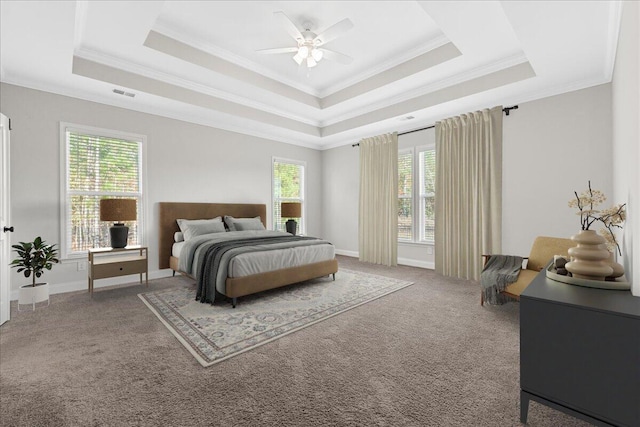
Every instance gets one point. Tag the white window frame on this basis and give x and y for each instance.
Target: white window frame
(65, 208)
(303, 191)
(417, 205)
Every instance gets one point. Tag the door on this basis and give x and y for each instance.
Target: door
(5, 225)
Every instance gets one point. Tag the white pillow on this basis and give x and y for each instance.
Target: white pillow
(231, 221)
(178, 236)
(251, 224)
(196, 227)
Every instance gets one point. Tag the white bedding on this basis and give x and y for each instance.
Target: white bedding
(262, 262)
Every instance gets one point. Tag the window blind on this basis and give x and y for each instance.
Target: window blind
(405, 192)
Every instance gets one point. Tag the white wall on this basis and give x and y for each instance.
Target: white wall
(626, 136)
(185, 163)
(551, 147)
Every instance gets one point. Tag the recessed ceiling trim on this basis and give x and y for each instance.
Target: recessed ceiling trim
(169, 78)
(178, 49)
(440, 84)
(615, 16)
(387, 65)
(490, 81)
(105, 73)
(420, 63)
(197, 43)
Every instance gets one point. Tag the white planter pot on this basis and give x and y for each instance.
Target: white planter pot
(33, 294)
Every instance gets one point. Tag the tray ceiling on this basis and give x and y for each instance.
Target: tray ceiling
(197, 61)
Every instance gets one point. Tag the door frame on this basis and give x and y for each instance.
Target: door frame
(5, 220)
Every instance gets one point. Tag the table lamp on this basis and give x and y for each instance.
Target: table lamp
(291, 210)
(118, 211)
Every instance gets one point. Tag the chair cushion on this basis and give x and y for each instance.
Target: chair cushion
(543, 250)
(524, 278)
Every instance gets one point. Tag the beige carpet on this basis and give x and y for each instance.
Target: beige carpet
(426, 355)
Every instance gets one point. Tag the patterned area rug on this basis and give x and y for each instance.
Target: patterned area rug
(215, 333)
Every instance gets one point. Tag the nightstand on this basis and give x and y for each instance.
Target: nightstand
(110, 262)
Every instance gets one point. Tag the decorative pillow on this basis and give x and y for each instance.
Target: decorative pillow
(196, 227)
(178, 236)
(231, 223)
(252, 224)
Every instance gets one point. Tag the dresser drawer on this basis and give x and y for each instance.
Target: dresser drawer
(118, 268)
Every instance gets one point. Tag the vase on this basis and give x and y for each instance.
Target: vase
(589, 258)
(618, 269)
(33, 294)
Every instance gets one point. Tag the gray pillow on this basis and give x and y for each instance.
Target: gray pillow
(232, 222)
(196, 227)
(178, 236)
(248, 225)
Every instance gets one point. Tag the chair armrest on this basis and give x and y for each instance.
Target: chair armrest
(485, 258)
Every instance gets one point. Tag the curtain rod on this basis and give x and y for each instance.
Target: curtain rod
(505, 110)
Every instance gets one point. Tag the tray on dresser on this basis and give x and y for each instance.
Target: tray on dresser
(618, 284)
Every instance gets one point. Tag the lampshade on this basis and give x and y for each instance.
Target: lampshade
(118, 210)
(290, 210)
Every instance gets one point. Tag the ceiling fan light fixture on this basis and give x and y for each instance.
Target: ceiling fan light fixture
(298, 58)
(316, 54)
(303, 51)
(311, 62)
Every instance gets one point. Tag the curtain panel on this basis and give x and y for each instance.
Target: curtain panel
(378, 205)
(468, 192)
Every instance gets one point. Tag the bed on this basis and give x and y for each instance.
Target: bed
(247, 281)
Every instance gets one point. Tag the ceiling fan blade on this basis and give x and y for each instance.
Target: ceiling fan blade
(336, 56)
(278, 50)
(333, 32)
(289, 26)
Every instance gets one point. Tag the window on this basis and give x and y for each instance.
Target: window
(427, 162)
(98, 164)
(405, 192)
(416, 176)
(288, 186)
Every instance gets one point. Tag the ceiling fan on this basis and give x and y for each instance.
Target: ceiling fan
(309, 44)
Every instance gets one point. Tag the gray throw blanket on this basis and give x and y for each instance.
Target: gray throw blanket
(499, 272)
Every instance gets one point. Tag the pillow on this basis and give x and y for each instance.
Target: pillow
(231, 223)
(248, 225)
(196, 227)
(178, 236)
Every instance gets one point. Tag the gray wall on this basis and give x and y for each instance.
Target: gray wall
(551, 147)
(184, 162)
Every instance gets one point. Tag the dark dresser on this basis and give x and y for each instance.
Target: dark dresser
(580, 352)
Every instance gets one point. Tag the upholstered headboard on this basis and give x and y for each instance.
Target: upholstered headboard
(169, 212)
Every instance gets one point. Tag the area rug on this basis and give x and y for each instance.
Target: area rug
(213, 333)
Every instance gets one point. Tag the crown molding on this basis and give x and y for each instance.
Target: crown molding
(120, 102)
(128, 66)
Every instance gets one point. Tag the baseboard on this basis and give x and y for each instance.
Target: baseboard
(352, 254)
(416, 263)
(60, 288)
(401, 261)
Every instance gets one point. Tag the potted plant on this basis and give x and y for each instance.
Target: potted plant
(33, 258)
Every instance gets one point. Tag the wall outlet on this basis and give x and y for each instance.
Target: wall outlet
(429, 250)
(82, 266)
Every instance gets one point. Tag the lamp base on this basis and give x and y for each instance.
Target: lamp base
(291, 226)
(119, 234)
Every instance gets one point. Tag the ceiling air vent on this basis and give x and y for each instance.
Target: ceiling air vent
(405, 118)
(122, 92)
